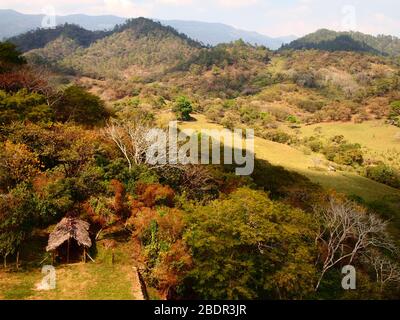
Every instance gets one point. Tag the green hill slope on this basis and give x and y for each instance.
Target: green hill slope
(40, 38)
(347, 41)
(140, 47)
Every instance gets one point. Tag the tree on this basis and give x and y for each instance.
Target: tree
(78, 105)
(249, 247)
(130, 136)
(17, 164)
(183, 108)
(17, 219)
(24, 105)
(346, 231)
(166, 257)
(386, 271)
(69, 147)
(9, 56)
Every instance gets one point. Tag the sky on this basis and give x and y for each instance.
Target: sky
(269, 17)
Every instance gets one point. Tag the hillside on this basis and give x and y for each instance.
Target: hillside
(347, 41)
(39, 38)
(137, 47)
(294, 159)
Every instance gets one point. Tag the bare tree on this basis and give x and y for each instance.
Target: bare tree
(386, 271)
(347, 229)
(130, 138)
(134, 138)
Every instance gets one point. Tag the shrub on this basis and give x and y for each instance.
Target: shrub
(384, 174)
(183, 108)
(292, 119)
(155, 194)
(341, 152)
(278, 136)
(310, 105)
(314, 143)
(394, 116)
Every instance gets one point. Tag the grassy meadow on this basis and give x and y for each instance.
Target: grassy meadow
(99, 280)
(294, 159)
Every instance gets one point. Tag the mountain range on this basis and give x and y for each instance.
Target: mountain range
(13, 23)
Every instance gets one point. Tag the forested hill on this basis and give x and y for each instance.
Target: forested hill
(39, 38)
(146, 27)
(347, 41)
(139, 46)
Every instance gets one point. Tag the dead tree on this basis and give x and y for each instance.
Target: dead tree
(346, 230)
(131, 138)
(386, 271)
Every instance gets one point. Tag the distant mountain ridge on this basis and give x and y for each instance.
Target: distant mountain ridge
(329, 40)
(217, 33)
(13, 23)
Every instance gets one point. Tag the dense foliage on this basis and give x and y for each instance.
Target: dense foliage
(9, 56)
(41, 37)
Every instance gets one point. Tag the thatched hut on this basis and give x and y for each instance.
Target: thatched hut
(70, 239)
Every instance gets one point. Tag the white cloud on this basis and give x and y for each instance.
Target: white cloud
(266, 16)
(175, 2)
(126, 8)
(236, 3)
(380, 23)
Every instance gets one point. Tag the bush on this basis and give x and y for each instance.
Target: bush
(315, 144)
(341, 152)
(292, 119)
(278, 136)
(310, 105)
(394, 116)
(183, 108)
(384, 174)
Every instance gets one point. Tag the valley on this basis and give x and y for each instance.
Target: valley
(76, 108)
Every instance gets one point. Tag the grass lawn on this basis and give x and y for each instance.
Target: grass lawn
(99, 280)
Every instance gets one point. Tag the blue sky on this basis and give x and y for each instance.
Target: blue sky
(270, 17)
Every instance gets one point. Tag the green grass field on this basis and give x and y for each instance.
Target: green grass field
(375, 135)
(99, 280)
(296, 160)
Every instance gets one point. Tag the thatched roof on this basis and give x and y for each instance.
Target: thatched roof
(70, 228)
